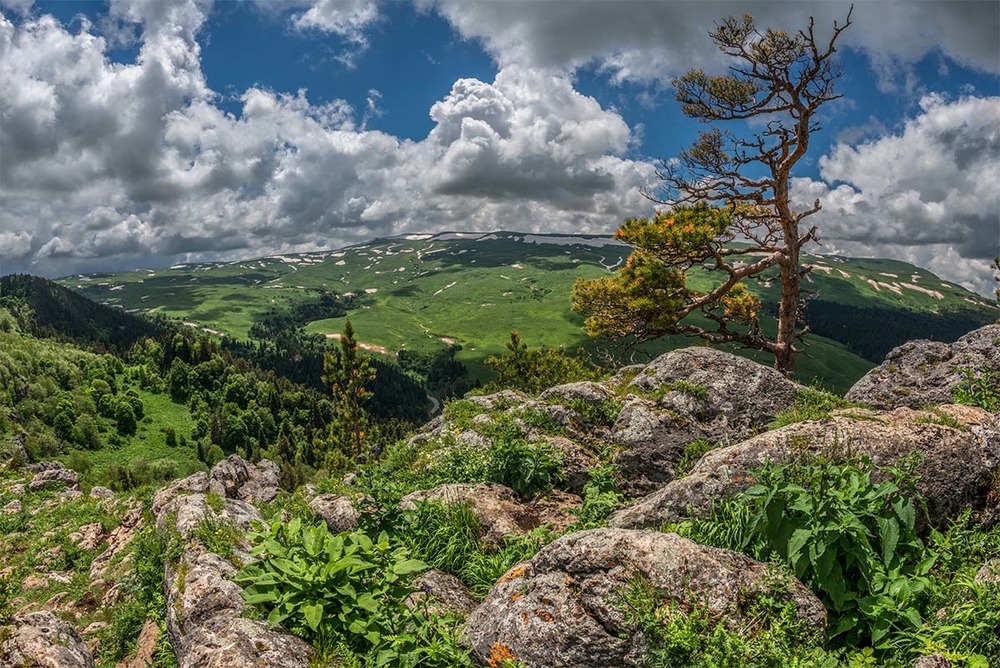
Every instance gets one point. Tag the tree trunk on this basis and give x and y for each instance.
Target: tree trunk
(788, 310)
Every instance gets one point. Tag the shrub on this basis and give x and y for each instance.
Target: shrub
(979, 387)
(601, 497)
(443, 535)
(330, 589)
(527, 468)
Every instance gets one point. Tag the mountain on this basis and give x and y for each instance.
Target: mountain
(425, 292)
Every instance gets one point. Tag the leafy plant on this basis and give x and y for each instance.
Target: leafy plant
(527, 468)
(218, 536)
(979, 387)
(852, 540)
(330, 589)
(693, 451)
(443, 535)
(812, 403)
(601, 497)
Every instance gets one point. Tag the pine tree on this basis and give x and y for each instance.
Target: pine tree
(347, 373)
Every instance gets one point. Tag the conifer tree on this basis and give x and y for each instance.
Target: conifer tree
(729, 197)
(347, 373)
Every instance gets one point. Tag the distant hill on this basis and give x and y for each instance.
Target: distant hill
(425, 292)
(61, 312)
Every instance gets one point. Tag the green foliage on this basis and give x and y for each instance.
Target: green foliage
(445, 536)
(601, 497)
(978, 387)
(693, 451)
(534, 370)
(527, 468)
(330, 588)
(770, 636)
(602, 413)
(218, 536)
(347, 374)
(813, 403)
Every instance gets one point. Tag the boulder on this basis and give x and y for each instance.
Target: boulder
(585, 391)
(204, 606)
(206, 627)
(442, 592)
(42, 640)
(924, 372)
(337, 511)
(957, 462)
(55, 476)
(703, 393)
(236, 478)
(557, 610)
(498, 509)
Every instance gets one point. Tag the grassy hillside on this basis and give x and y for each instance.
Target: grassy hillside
(423, 292)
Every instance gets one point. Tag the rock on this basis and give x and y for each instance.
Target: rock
(498, 509)
(932, 661)
(88, 537)
(954, 474)
(989, 573)
(577, 462)
(205, 626)
(924, 372)
(98, 492)
(55, 477)
(557, 609)
(204, 605)
(145, 647)
(235, 478)
(337, 511)
(42, 640)
(443, 592)
(586, 391)
(705, 394)
(12, 508)
(117, 540)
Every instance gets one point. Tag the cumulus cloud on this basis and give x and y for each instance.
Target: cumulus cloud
(109, 164)
(635, 39)
(929, 194)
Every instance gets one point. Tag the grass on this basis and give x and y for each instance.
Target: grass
(421, 293)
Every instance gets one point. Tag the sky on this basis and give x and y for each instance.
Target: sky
(140, 133)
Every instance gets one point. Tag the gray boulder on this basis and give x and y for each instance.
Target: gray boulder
(237, 478)
(54, 476)
(702, 393)
(442, 592)
(42, 640)
(337, 511)
(925, 372)
(557, 610)
(957, 463)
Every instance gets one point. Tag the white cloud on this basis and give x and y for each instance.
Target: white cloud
(636, 39)
(110, 164)
(929, 194)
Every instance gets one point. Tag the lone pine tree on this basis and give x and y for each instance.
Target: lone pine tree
(730, 208)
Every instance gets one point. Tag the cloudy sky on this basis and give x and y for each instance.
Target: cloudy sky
(144, 132)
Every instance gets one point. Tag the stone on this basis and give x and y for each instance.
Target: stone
(957, 463)
(498, 509)
(989, 573)
(932, 661)
(55, 477)
(206, 628)
(585, 391)
(42, 640)
(235, 478)
(924, 372)
(442, 592)
(99, 492)
(577, 462)
(145, 647)
(337, 511)
(88, 537)
(703, 393)
(557, 610)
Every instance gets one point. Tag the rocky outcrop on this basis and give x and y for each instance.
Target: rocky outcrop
(689, 394)
(53, 475)
(558, 610)
(924, 372)
(498, 509)
(956, 468)
(337, 511)
(442, 592)
(42, 640)
(204, 606)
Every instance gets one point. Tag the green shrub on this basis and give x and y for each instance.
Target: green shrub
(443, 535)
(330, 589)
(979, 387)
(218, 536)
(693, 451)
(675, 637)
(601, 497)
(812, 403)
(527, 468)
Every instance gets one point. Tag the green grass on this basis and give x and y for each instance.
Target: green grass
(161, 413)
(422, 293)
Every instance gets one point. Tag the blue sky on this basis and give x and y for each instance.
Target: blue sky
(143, 132)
